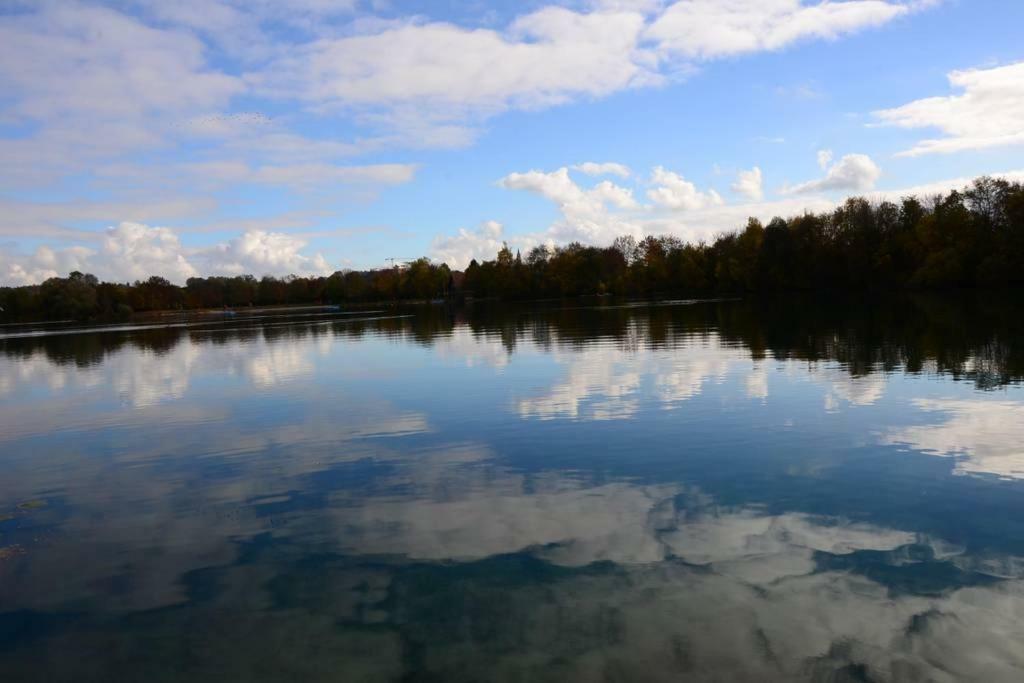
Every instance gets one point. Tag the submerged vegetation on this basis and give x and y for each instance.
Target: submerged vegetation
(968, 238)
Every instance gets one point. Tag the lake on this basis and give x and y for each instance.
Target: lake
(721, 491)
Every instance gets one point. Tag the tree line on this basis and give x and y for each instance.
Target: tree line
(81, 296)
(968, 238)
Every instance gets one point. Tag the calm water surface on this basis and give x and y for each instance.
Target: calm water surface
(722, 491)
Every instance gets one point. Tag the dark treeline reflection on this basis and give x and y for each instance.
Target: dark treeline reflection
(970, 336)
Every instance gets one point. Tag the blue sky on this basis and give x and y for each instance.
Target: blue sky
(140, 137)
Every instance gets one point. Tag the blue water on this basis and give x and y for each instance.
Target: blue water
(720, 491)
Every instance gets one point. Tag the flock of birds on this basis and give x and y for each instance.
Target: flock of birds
(248, 118)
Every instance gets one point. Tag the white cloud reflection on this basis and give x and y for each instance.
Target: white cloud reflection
(985, 437)
(842, 388)
(610, 382)
(473, 349)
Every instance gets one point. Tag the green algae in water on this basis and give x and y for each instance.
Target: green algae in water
(32, 504)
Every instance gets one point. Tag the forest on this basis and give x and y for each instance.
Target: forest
(969, 238)
(81, 296)
(964, 239)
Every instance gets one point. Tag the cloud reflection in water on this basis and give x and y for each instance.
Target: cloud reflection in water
(607, 497)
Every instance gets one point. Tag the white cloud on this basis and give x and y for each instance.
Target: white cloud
(543, 58)
(303, 176)
(600, 214)
(71, 60)
(852, 173)
(989, 112)
(575, 202)
(585, 213)
(616, 195)
(642, 6)
(259, 252)
(589, 217)
(53, 219)
(750, 184)
(606, 168)
(707, 29)
(672, 191)
(239, 26)
(129, 251)
(42, 264)
(941, 186)
(135, 251)
(481, 244)
(824, 158)
(98, 83)
(97, 90)
(446, 76)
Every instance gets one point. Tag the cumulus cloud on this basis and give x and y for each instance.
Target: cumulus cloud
(480, 244)
(606, 168)
(672, 191)
(596, 214)
(616, 195)
(707, 29)
(599, 214)
(585, 213)
(988, 113)
(135, 251)
(852, 173)
(592, 216)
(260, 252)
(750, 184)
(128, 251)
(42, 264)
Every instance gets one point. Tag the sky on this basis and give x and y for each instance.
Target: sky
(202, 137)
